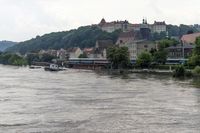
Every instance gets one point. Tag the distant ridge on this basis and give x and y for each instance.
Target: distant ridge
(6, 44)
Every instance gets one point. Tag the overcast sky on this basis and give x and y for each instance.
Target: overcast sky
(24, 19)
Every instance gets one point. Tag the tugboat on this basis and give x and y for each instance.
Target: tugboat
(52, 67)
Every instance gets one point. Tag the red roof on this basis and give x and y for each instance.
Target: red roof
(190, 38)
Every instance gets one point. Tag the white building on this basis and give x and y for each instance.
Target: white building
(135, 44)
(159, 27)
(74, 52)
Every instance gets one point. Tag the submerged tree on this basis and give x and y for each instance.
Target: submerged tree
(118, 56)
(144, 60)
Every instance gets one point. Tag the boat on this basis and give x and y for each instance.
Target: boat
(53, 67)
(35, 67)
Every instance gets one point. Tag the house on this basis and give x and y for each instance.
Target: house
(189, 38)
(89, 52)
(135, 43)
(101, 48)
(180, 51)
(62, 54)
(74, 52)
(48, 52)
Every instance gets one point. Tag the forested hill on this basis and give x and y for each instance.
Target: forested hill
(81, 37)
(6, 44)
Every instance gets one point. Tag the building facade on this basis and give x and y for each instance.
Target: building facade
(180, 51)
(74, 52)
(125, 26)
(158, 27)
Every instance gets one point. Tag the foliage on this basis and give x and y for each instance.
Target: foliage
(81, 37)
(12, 59)
(118, 56)
(159, 36)
(144, 60)
(6, 44)
(160, 57)
(179, 71)
(174, 30)
(33, 57)
(83, 56)
(196, 70)
(164, 43)
(194, 60)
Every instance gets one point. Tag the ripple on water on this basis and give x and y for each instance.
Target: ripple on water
(87, 102)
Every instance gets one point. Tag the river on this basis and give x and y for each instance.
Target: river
(80, 101)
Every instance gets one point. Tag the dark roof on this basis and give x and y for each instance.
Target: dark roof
(159, 23)
(103, 44)
(104, 23)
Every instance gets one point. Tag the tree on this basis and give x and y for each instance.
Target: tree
(164, 43)
(194, 60)
(31, 57)
(47, 58)
(83, 56)
(82, 37)
(179, 71)
(160, 57)
(118, 56)
(12, 59)
(144, 60)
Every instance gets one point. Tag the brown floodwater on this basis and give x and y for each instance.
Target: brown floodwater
(80, 101)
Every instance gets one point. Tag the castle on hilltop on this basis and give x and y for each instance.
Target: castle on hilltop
(125, 26)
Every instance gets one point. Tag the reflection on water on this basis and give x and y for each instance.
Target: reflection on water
(196, 82)
(79, 101)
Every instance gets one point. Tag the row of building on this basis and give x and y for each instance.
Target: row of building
(133, 40)
(125, 26)
(132, 37)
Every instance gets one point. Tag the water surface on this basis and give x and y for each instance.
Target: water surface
(78, 101)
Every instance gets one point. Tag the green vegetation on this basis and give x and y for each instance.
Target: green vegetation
(179, 71)
(144, 60)
(159, 36)
(164, 43)
(82, 37)
(195, 58)
(119, 57)
(83, 56)
(160, 56)
(196, 70)
(12, 59)
(178, 31)
(39, 58)
(6, 44)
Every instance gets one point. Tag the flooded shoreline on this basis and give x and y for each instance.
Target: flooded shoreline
(83, 101)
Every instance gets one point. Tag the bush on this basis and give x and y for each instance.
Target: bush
(179, 71)
(144, 60)
(196, 70)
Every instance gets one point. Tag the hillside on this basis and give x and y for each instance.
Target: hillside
(81, 37)
(6, 44)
